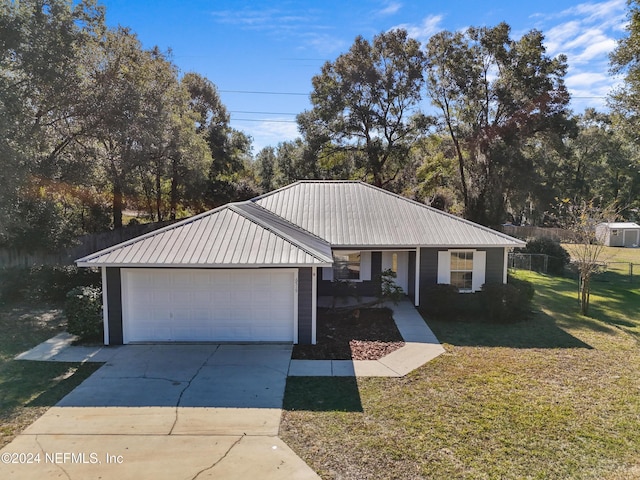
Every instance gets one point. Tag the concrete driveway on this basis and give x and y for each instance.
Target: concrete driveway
(166, 412)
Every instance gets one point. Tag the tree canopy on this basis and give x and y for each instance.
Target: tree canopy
(495, 95)
(92, 123)
(366, 100)
(474, 122)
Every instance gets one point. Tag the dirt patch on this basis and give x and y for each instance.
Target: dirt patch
(366, 334)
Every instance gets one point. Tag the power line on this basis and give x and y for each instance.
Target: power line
(263, 113)
(261, 120)
(263, 93)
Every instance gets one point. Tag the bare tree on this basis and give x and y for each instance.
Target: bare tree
(587, 251)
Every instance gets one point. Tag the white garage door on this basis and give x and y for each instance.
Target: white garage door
(180, 305)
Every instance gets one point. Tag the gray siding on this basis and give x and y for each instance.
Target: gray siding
(429, 266)
(615, 240)
(114, 300)
(428, 269)
(495, 265)
(631, 238)
(305, 310)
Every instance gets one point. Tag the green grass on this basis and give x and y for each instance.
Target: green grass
(28, 389)
(557, 396)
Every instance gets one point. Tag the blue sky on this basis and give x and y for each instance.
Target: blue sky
(277, 46)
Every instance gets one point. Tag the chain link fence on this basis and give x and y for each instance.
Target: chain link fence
(536, 262)
(614, 272)
(619, 272)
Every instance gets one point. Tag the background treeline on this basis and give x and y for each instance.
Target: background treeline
(93, 125)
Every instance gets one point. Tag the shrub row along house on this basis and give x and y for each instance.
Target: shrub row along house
(253, 271)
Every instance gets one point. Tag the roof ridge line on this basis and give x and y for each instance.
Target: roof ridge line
(275, 230)
(298, 227)
(290, 185)
(450, 215)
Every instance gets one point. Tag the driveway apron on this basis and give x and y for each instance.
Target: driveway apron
(166, 412)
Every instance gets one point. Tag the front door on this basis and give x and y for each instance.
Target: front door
(399, 263)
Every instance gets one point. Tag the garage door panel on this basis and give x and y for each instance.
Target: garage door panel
(208, 305)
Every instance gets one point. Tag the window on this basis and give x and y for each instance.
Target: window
(462, 270)
(346, 265)
(614, 233)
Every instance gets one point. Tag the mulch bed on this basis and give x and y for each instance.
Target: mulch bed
(365, 334)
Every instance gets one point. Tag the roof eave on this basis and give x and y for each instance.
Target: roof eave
(201, 265)
(515, 244)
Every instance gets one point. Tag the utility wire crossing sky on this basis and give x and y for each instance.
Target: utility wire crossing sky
(262, 54)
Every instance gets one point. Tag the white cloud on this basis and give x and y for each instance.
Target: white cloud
(586, 34)
(325, 44)
(422, 32)
(603, 13)
(269, 132)
(596, 50)
(304, 26)
(390, 9)
(581, 80)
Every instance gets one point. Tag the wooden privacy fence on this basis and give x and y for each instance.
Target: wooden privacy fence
(87, 244)
(526, 232)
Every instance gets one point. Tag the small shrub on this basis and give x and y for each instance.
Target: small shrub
(13, 284)
(525, 288)
(388, 288)
(440, 300)
(83, 309)
(558, 256)
(51, 283)
(507, 303)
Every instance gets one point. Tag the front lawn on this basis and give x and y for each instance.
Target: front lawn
(557, 396)
(28, 389)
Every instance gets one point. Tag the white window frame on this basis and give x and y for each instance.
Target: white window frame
(479, 268)
(365, 266)
(451, 271)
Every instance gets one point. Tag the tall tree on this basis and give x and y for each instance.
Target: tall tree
(265, 166)
(494, 95)
(43, 46)
(625, 100)
(122, 72)
(366, 100)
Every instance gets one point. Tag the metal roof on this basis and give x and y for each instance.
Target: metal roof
(298, 225)
(356, 214)
(621, 225)
(234, 235)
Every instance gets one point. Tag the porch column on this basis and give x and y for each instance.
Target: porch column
(417, 286)
(105, 305)
(314, 303)
(506, 265)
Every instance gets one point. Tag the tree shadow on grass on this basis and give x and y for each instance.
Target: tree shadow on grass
(60, 386)
(322, 394)
(540, 331)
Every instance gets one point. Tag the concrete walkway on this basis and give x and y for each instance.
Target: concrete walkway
(61, 349)
(421, 346)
